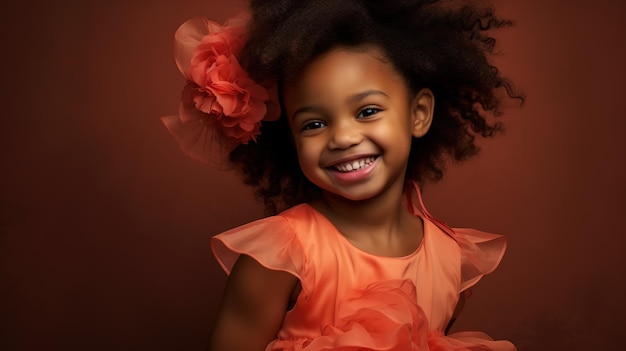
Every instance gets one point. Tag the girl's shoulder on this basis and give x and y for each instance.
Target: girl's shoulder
(275, 242)
(480, 252)
(285, 223)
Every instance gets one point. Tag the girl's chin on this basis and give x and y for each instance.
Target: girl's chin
(350, 194)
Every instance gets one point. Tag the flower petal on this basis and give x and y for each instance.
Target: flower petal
(186, 40)
(220, 101)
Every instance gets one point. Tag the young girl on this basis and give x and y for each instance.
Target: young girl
(336, 112)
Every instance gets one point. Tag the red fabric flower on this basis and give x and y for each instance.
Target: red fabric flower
(226, 93)
(221, 106)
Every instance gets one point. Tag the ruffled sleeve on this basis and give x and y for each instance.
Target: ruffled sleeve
(271, 241)
(481, 252)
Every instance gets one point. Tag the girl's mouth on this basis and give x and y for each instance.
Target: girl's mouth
(353, 166)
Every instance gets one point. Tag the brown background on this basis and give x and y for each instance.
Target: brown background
(104, 225)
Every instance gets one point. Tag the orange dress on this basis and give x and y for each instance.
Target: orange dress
(353, 300)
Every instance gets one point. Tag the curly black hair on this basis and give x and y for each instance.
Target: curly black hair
(441, 45)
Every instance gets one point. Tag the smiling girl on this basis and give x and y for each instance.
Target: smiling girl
(336, 112)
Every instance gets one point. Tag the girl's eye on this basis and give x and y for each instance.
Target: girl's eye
(313, 125)
(368, 112)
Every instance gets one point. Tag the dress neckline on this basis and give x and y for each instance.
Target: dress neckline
(352, 247)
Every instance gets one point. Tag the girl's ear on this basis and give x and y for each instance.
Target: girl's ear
(422, 109)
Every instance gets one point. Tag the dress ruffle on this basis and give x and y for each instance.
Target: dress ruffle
(467, 341)
(385, 316)
(270, 241)
(481, 252)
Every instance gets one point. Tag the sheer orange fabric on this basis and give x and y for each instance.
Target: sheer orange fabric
(353, 300)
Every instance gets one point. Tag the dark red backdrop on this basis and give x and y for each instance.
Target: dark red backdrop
(104, 226)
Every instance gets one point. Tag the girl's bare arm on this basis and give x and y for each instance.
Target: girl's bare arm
(253, 307)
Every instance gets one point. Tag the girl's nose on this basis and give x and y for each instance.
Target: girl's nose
(344, 135)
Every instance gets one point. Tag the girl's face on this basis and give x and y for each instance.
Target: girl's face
(352, 120)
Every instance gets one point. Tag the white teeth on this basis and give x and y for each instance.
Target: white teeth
(354, 165)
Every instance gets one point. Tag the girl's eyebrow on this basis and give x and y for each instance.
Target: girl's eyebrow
(352, 99)
(305, 109)
(363, 95)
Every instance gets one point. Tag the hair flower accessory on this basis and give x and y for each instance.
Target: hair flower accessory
(221, 106)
